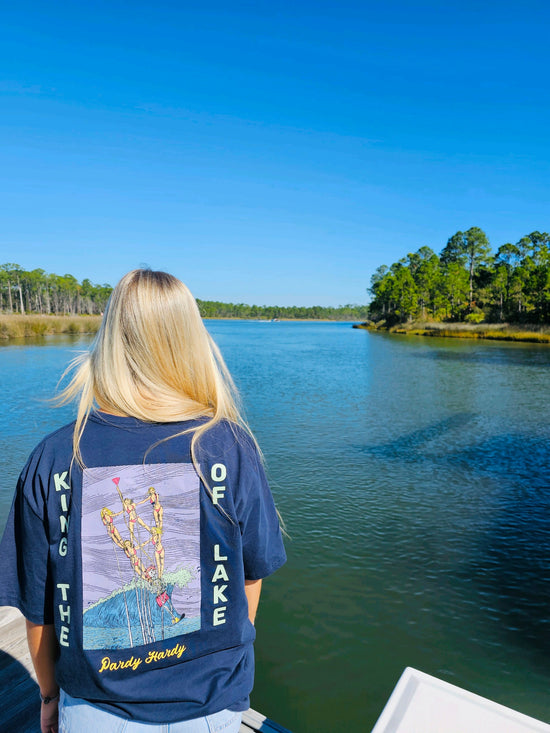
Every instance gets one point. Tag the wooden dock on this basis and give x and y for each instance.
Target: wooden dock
(20, 708)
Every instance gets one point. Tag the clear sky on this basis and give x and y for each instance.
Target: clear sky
(268, 152)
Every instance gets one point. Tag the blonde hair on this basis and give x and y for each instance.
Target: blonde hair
(154, 360)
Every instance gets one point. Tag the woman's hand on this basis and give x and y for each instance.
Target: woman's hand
(49, 716)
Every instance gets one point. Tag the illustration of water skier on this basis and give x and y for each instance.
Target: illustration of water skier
(129, 506)
(163, 598)
(156, 539)
(107, 516)
(153, 574)
(131, 553)
(158, 509)
(165, 602)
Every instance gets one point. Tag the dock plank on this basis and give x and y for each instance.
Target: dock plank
(20, 710)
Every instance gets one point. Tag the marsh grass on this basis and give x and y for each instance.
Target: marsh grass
(31, 326)
(494, 331)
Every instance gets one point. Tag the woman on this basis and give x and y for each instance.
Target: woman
(145, 645)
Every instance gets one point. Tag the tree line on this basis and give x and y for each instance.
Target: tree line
(467, 281)
(35, 291)
(216, 309)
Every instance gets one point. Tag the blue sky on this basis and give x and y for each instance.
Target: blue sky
(268, 152)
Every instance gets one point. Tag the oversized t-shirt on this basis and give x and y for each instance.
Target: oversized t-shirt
(139, 560)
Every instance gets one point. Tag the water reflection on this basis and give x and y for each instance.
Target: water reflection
(61, 339)
(536, 355)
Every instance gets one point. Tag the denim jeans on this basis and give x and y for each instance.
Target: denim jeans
(79, 716)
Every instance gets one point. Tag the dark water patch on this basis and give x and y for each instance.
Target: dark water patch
(510, 570)
(411, 445)
(520, 459)
(516, 456)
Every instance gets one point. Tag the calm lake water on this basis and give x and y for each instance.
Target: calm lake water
(413, 478)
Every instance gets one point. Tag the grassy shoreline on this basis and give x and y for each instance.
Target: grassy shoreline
(31, 326)
(528, 333)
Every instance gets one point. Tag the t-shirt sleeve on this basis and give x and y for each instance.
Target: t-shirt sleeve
(24, 550)
(263, 548)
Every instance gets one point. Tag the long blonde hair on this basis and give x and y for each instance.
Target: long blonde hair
(154, 360)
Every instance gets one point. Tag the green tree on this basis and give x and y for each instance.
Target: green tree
(506, 264)
(381, 289)
(454, 250)
(426, 274)
(455, 287)
(405, 292)
(535, 265)
(478, 251)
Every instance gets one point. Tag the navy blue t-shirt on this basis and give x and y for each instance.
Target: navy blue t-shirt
(140, 568)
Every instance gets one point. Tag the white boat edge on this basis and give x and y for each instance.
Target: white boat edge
(421, 703)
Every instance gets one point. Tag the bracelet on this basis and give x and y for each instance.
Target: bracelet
(48, 698)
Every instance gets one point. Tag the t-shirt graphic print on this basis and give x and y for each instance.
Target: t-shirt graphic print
(140, 554)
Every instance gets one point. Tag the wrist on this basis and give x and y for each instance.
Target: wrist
(50, 697)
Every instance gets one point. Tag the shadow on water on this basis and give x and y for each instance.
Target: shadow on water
(512, 455)
(507, 555)
(403, 447)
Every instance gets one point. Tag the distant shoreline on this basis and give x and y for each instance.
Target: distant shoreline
(16, 326)
(529, 333)
(281, 320)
